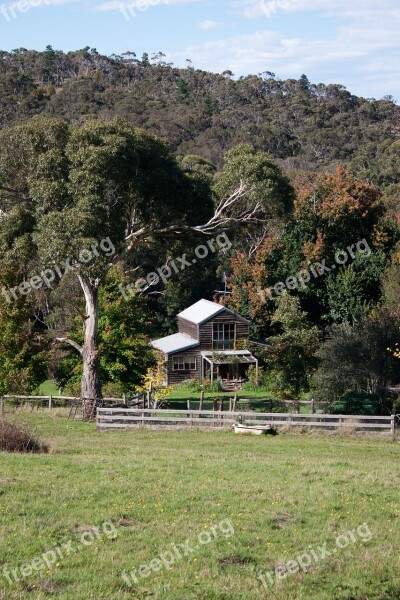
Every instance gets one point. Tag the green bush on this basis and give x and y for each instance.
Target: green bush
(215, 386)
(189, 385)
(356, 403)
(72, 389)
(253, 387)
(113, 390)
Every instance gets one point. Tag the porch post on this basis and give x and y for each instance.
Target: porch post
(212, 371)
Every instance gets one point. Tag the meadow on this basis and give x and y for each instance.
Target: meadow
(244, 506)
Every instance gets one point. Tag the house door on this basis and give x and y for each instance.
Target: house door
(228, 371)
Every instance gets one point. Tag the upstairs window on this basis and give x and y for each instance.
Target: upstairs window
(224, 336)
(184, 363)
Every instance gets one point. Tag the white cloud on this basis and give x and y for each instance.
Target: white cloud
(206, 25)
(341, 8)
(141, 5)
(353, 54)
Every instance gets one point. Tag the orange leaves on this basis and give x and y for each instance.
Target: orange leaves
(334, 196)
(314, 251)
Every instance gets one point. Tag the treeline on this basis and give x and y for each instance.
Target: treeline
(304, 125)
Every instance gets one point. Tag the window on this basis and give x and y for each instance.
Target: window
(184, 363)
(224, 336)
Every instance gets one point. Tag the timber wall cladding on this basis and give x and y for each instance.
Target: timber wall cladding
(206, 330)
(179, 376)
(187, 328)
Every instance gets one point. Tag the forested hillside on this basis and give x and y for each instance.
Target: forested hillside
(303, 124)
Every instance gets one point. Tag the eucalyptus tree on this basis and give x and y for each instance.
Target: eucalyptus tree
(92, 196)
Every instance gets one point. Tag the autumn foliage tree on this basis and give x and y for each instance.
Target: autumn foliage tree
(332, 212)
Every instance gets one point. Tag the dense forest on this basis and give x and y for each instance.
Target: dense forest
(305, 125)
(322, 172)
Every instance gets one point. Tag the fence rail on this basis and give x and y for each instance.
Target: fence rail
(74, 403)
(114, 418)
(138, 416)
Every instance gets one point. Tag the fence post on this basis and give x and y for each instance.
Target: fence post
(312, 406)
(2, 401)
(201, 400)
(234, 402)
(50, 402)
(392, 427)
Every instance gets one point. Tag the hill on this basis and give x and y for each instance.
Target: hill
(303, 125)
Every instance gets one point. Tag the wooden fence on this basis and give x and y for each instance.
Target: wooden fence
(114, 418)
(75, 404)
(143, 400)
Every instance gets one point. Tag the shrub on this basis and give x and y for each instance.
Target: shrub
(189, 385)
(14, 438)
(259, 379)
(356, 403)
(253, 387)
(215, 386)
(72, 389)
(113, 390)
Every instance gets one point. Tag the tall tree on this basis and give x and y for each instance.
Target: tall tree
(291, 361)
(96, 196)
(267, 185)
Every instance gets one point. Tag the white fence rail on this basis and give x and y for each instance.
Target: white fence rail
(117, 418)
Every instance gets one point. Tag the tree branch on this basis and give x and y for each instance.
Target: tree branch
(71, 343)
(222, 218)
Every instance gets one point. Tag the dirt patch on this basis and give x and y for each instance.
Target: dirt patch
(283, 520)
(46, 586)
(84, 528)
(236, 560)
(129, 523)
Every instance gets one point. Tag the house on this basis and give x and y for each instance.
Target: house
(210, 344)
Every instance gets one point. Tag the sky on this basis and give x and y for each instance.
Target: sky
(352, 42)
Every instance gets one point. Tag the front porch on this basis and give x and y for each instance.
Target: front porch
(230, 367)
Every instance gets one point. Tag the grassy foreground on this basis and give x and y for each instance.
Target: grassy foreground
(265, 501)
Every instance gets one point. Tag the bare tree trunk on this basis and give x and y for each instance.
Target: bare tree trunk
(90, 383)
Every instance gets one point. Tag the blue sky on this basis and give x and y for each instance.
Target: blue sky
(352, 42)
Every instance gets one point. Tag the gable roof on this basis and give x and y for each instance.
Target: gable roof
(203, 310)
(174, 343)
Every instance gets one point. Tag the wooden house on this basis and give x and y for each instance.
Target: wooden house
(211, 343)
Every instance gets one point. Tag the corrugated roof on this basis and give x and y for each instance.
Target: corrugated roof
(174, 343)
(201, 311)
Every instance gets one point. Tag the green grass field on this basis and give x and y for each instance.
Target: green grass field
(265, 500)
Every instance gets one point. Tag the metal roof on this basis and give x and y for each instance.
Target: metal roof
(201, 311)
(228, 352)
(174, 343)
(243, 356)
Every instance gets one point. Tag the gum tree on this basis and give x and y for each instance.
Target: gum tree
(70, 191)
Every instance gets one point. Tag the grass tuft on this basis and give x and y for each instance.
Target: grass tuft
(15, 438)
